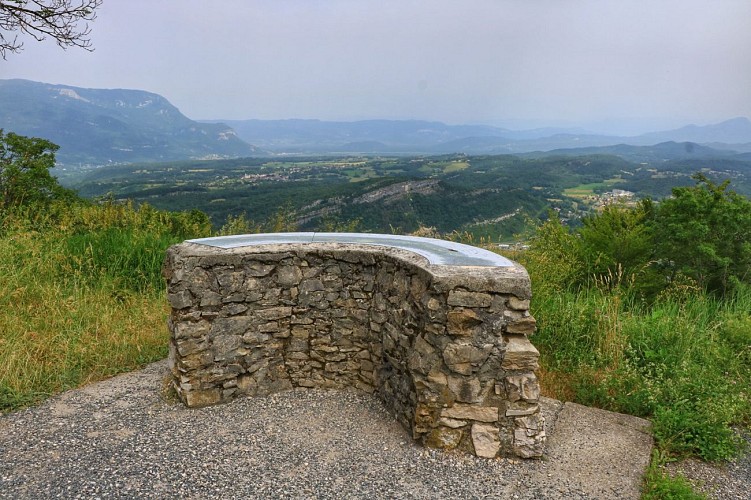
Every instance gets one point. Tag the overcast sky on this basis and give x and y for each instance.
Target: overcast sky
(520, 63)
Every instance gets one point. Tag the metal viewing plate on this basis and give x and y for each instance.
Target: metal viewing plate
(438, 252)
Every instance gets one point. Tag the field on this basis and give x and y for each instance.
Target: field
(585, 191)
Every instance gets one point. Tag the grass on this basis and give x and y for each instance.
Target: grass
(82, 297)
(444, 167)
(659, 485)
(455, 166)
(685, 364)
(682, 361)
(582, 191)
(60, 330)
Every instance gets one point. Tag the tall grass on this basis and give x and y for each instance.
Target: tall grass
(81, 295)
(684, 361)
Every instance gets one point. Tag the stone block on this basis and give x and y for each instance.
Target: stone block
(270, 327)
(434, 304)
(230, 281)
(234, 309)
(523, 326)
(186, 347)
(274, 313)
(485, 440)
(198, 398)
(471, 412)
(520, 354)
(462, 322)
(298, 356)
(469, 299)
(195, 361)
(452, 423)
(298, 344)
(190, 329)
(236, 325)
(288, 276)
(522, 412)
(464, 358)
(524, 386)
(255, 337)
(311, 285)
(258, 270)
(209, 298)
(518, 304)
(224, 346)
(180, 300)
(465, 390)
(444, 438)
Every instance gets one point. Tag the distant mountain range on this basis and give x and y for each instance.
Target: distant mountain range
(422, 137)
(102, 126)
(97, 126)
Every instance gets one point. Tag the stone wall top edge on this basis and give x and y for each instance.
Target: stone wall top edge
(511, 279)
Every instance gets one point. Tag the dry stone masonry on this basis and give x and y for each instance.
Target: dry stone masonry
(437, 329)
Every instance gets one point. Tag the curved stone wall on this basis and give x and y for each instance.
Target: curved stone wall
(444, 346)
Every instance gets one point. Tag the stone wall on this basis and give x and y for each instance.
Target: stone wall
(445, 347)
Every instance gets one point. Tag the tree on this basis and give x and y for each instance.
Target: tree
(618, 242)
(25, 178)
(58, 19)
(705, 232)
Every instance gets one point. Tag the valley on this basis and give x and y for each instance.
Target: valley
(488, 197)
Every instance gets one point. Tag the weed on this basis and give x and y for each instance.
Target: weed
(659, 485)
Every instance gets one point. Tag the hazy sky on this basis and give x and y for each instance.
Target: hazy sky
(512, 62)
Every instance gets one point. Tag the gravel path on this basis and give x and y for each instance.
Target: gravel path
(120, 439)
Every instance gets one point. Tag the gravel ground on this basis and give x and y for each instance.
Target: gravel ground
(120, 439)
(724, 481)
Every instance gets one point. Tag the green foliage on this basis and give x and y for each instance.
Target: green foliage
(617, 244)
(682, 360)
(25, 179)
(556, 255)
(82, 294)
(701, 237)
(283, 221)
(238, 225)
(628, 316)
(705, 233)
(659, 485)
(481, 197)
(333, 224)
(131, 258)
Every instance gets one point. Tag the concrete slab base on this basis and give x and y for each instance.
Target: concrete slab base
(591, 453)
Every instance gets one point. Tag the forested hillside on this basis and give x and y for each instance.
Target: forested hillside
(493, 197)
